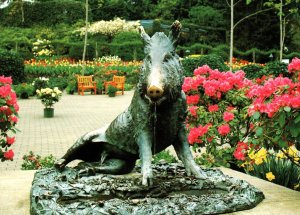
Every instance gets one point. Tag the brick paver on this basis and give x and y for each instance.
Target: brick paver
(74, 115)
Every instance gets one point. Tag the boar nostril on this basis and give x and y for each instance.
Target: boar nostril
(154, 92)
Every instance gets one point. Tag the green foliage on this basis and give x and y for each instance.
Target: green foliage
(206, 16)
(164, 156)
(76, 51)
(24, 90)
(40, 83)
(111, 90)
(276, 68)
(253, 71)
(128, 46)
(286, 173)
(214, 62)
(11, 64)
(33, 161)
(128, 87)
(59, 82)
(189, 64)
(46, 13)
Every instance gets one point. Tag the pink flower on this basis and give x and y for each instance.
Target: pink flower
(10, 140)
(193, 110)
(228, 116)
(213, 108)
(13, 119)
(192, 99)
(197, 132)
(5, 80)
(294, 66)
(9, 155)
(224, 129)
(240, 151)
(5, 91)
(203, 70)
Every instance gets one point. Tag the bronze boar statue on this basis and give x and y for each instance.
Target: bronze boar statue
(154, 120)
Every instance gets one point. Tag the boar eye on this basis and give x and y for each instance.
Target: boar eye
(167, 57)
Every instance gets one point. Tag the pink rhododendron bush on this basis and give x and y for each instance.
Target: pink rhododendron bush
(8, 118)
(237, 119)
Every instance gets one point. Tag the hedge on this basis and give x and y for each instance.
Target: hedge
(43, 13)
(12, 64)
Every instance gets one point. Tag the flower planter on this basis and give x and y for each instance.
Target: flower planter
(48, 112)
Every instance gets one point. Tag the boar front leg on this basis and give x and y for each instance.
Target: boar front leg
(144, 143)
(184, 154)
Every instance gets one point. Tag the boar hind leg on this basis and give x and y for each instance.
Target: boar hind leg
(110, 166)
(183, 151)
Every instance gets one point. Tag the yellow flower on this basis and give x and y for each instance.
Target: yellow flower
(270, 176)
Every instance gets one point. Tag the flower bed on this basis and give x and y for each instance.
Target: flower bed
(235, 117)
(8, 118)
(66, 67)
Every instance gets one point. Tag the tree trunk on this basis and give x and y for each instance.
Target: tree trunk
(281, 32)
(85, 35)
(231, 34)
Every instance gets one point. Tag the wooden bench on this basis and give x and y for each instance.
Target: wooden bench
(118, 82)
(85, 83)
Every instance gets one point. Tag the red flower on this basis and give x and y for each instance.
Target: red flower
(228, 116)
(224, 129)
(193, 110)
(5, 80)
(192, 99)
(213, 108)
(9, 155)
(10, 140)
(294, 66)
(240, 151)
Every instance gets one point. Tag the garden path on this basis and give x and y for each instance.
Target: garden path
(74, 115)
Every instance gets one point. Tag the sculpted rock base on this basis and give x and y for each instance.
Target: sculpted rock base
(173, 192)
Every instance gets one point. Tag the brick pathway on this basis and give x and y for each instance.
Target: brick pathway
(74, 115)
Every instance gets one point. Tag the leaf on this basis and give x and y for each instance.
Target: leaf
(287, 109)
(282, 119)
(256, 115)
(259, 131)
(297, 119)
(282, 143)
(294, 131)
(248, 2)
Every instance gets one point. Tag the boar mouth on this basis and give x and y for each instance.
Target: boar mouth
(156, 101)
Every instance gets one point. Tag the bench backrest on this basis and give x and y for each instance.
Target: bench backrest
(85, 80)
(119, 80)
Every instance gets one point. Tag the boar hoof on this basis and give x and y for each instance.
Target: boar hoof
(147, 179)
(60, 164)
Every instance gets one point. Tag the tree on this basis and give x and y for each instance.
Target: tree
(85, 34)
(233, 25)
(285, 8)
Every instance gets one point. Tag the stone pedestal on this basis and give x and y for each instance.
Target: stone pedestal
(172, 193)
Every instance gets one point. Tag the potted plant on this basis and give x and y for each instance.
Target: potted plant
(111, 90)
(99, 87)
(48, 97)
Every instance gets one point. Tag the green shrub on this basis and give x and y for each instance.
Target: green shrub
(76, 51)
(59, 82)
(11, 64)
(40, 83)
(72, 84)
(24, 90)
(43, 13)
(253, 71)
(276, 68)
(214, 62)
(33, 162)
(189, 65)
(128, 46)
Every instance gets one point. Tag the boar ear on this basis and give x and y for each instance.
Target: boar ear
(175, 31)
(144, 35)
